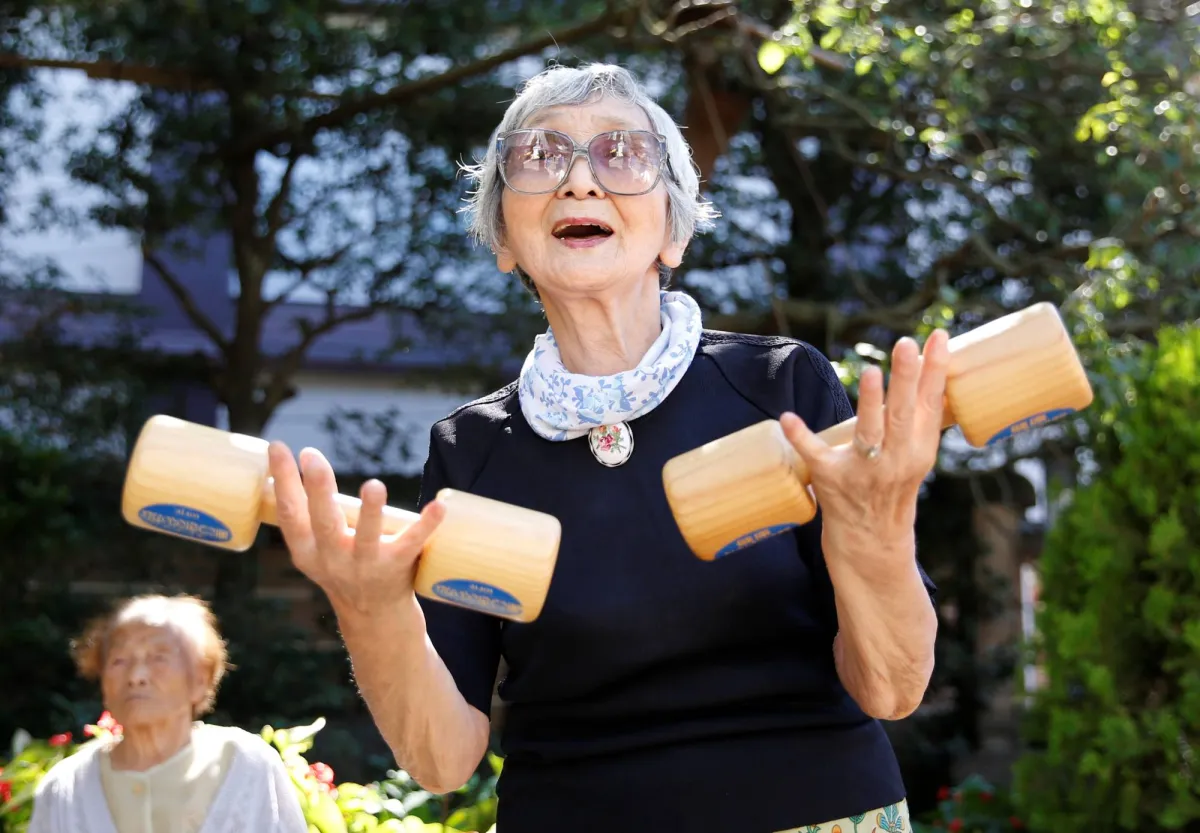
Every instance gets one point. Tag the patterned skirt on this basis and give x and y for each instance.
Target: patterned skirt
(890, 819)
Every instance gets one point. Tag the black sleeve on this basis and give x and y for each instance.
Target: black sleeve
(821, 401)
(468, 642)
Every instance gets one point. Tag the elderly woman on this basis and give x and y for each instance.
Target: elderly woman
(159, 661)
(655, 691)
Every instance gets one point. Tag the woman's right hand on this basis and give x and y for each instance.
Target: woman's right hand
(359, 569)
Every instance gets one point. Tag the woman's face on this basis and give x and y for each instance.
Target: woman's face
(150, 675)
(564, 265)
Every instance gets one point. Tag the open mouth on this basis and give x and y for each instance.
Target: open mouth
(581, 230)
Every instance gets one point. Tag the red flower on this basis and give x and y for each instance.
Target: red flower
(955, 825)
(60, 740)
(5, 792)
(1016, 823)
(106, 722)
(322, 773)
(985, 797)
(943, 793)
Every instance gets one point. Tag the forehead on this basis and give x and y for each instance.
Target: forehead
(136, 634)
(585, 120)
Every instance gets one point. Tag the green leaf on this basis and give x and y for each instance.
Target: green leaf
(863, 65)
(325, 814)
(771, 57)
(831, 37)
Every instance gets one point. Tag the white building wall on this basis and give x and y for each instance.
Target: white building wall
(300, 421)
(91, 258)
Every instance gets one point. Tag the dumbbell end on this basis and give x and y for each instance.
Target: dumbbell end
(491, 557)
(196, 483)
(735, 491)
(1016, 374)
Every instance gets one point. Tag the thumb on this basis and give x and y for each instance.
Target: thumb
(811, 448)
(416, 536)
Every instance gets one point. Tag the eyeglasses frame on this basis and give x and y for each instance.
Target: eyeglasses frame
(584, 151)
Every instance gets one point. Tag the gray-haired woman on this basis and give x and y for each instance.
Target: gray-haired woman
(655, 690)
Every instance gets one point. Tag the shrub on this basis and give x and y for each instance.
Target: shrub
(1112, 733)
(974, 806)
(395, 805)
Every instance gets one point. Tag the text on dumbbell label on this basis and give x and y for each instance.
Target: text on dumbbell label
(1029, 423)
(477, 596)
(185, 522)
(752, 538)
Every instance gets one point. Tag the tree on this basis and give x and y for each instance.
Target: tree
(1114, 729)
(947, 162)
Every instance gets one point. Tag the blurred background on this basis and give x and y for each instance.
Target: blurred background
(245, 213)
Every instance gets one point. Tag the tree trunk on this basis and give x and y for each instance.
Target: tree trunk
(236, 578)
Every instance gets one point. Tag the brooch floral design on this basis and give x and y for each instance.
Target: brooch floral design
(611, 444)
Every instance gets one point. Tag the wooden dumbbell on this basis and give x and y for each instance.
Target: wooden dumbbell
(1005, 377)
(214, 487)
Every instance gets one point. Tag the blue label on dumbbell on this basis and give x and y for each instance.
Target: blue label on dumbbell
(185, 522)
(1021, 426)
(477, 596)
(752, 538)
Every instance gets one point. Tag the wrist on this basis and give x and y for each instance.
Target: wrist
(399, 615)
(875, 558)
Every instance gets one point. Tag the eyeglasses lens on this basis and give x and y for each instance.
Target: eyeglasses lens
(624, 161)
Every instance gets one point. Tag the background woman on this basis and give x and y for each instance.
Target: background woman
(159, 661)
(655, 690)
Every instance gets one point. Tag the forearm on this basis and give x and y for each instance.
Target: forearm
(434, 734)
(887, 628)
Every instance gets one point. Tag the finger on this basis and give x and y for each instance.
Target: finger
(869, 427)
(812, 449)
(373, 495)
(291, 503)
(931, 390)
(328, 522)
(902, 392)
(417, 536)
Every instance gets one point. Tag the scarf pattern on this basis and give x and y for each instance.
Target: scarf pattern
(560, 405)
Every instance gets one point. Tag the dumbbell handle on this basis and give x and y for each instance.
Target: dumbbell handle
(394, 520)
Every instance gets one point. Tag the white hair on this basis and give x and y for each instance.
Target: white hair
(687, 213)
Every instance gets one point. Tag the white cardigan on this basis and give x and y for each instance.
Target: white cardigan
(256, 793)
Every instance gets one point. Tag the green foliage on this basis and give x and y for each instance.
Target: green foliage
(396, 805)
(974, 806)
(1045, 150)
(1113, 731)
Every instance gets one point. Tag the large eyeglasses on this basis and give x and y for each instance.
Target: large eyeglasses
(624, 162)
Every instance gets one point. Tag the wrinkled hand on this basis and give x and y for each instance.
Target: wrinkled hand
(359, 569)
(868, 488)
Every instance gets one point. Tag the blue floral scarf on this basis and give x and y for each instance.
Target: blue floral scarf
(560, 405)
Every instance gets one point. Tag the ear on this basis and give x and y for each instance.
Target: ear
(672, 251)
(505, 262)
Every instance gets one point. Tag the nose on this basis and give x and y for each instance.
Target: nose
(139, 674)
(579, 182)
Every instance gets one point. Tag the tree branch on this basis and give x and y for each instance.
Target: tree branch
(151, 76)
(185, 300)
(402, 93)
(285, 365)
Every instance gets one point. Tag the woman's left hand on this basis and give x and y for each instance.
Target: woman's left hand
(867, 489)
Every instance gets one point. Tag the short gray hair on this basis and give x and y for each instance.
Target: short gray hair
(687, 213)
